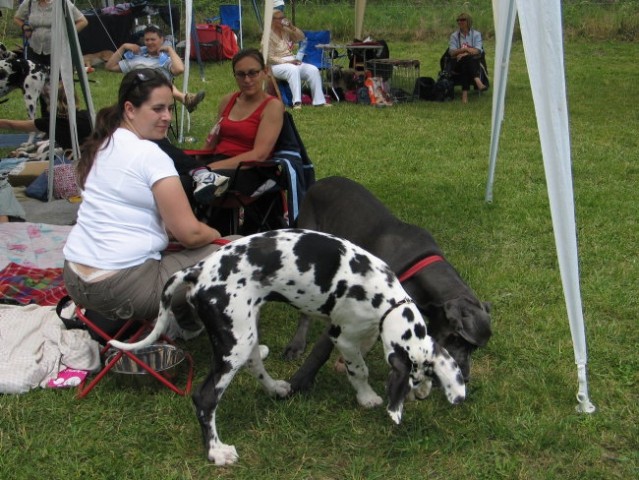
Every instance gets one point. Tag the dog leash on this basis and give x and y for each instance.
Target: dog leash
(176, 247)
(423, 263)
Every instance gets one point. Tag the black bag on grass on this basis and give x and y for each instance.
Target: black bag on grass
(424, 88)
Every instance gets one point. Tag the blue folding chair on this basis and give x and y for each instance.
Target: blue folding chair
(230, 15)
(314, 55)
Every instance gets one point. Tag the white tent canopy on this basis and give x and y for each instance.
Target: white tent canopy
(541, 31)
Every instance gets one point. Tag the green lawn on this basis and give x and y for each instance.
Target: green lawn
(428, 162)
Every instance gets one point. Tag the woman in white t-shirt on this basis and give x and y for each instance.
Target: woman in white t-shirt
(131, 197)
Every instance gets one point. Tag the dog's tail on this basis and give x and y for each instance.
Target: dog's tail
(164, 316)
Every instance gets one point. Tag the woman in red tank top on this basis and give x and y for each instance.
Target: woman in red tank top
(249, 121)
(247, 127)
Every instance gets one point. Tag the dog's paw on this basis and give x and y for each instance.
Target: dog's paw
(281, 388)
(396, 415)
(223, 454)
(369, 400)
(293, 351)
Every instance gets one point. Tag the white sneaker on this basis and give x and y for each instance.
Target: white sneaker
(209, 185)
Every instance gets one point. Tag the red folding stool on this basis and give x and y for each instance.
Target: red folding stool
(143, 327)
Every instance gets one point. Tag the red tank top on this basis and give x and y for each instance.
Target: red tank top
(236, 137)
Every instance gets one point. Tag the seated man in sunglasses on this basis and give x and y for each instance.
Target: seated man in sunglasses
(155, 54)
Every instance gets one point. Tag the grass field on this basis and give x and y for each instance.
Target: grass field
(428, 163)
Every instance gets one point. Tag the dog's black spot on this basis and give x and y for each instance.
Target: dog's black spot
(340, 289)
(322, 254)
(210, 304)
(420, 331)
(290, 282)
(390, 276)
(378, 298)
(227, 265)
(328, 305)
(409, 315)
(407, 335)
(264, 254)
(360, 264)
(334, 331)
(357, 292)
(301, 292)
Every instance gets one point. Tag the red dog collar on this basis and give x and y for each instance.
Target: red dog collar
(423, 263)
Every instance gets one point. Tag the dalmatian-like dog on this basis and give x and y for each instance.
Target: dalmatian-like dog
(323, 276)
(30, 77)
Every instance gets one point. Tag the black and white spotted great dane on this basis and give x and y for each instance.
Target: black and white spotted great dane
(28, 76)
(323, 276)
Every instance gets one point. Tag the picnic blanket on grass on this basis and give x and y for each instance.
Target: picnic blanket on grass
(31, 262)
(36, 245)
(26, 285)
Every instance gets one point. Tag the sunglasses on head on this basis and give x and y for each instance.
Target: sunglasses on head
(462, 19)
(140, 78)
(250, 74)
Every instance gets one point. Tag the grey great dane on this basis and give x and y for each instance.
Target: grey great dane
(457, 319)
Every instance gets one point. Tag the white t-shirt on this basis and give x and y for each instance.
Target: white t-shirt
(118, 224)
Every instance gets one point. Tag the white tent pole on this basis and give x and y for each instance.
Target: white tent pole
(543, 46)
(504, 26)
(239, 6)
(187, 62)
(266, 31)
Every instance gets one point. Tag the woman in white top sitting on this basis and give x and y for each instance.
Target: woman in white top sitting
(285, 66)
(132, 200)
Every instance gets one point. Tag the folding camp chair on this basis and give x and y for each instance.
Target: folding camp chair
(112, 356)
(446, 65)
(231, 16)
(285, 178)
(312, 54)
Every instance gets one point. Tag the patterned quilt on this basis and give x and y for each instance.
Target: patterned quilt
(31, 261)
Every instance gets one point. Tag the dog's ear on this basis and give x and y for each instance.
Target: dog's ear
(398, 386)
(470, 321)
(449, 374)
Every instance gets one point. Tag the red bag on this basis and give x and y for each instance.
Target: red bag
(217, 42)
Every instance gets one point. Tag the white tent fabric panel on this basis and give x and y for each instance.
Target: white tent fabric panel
(504, 20)
(63, 33)
(541, 31)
